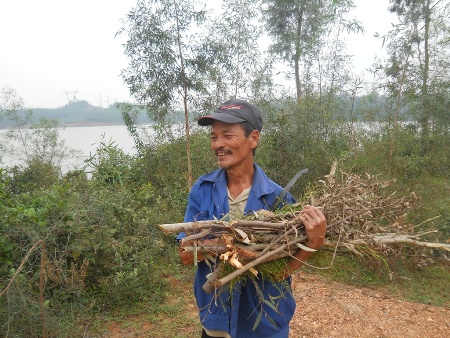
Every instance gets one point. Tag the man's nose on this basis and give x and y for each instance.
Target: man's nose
(219, 142)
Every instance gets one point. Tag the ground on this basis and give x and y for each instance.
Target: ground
(324, 309)
(329, 309)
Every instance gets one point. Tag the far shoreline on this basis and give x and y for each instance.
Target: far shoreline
(83, 124)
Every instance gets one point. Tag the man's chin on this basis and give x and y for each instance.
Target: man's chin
(222, 165)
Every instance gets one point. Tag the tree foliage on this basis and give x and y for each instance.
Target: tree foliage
(300, 32)
(233, 41)
(161, 49)
(417, 78)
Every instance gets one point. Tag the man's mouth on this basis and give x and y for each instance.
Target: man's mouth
(222, 153)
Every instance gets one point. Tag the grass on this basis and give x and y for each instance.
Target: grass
(428, 285)
(433, 209)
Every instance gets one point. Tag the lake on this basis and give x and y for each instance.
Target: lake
(85, 140)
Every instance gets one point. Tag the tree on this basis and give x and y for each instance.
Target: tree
(183, 54)
(308, 38)
(32, 143)
(300, 30)
(10, 104)
(235, 55)
(417, 68)
(164, 62)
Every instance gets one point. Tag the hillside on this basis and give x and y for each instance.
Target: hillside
(80, 113)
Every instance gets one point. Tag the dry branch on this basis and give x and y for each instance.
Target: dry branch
(360, 211)
(400, 239)
(268, 256)
(37, 244)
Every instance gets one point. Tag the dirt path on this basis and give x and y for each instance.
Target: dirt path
(329, 309)
(324, 309)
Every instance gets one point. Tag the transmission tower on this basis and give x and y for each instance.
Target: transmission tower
(71, 96)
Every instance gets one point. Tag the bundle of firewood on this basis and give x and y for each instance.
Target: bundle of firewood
(243, 243)
(361, 211)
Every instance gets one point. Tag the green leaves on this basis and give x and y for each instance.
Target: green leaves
(257, 321)
(307, 36)
(268, 302)
(160, 52)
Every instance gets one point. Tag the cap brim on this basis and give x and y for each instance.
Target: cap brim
(227, 118)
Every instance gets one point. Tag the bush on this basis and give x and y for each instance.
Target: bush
(103, 249)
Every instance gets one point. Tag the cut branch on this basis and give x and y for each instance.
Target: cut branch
(400, 239)
(274, 254)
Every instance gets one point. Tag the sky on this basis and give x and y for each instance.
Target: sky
(54, 51)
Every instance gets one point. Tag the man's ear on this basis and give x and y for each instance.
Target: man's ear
(255, 138)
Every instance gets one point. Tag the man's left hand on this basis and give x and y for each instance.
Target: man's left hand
(315, 225)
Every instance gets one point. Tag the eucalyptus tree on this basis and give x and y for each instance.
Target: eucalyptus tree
(415, 77)
(10, 104)
(234, 37)
(308, 39)
(419, 64)
(165, 63)
(301, 31)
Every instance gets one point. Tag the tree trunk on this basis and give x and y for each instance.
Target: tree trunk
(425, 118)
(298, 50)
(185, 106)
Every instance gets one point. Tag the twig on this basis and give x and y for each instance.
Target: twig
(201, 235)
(277, 240)
(22, 265)
(41, 290)
(398, 239)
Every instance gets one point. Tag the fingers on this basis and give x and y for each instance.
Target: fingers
(311, 216)
(315, 225)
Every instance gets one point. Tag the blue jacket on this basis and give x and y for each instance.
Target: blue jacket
(237, 313)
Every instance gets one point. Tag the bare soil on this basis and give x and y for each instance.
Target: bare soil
(324, 309)
(330, 309)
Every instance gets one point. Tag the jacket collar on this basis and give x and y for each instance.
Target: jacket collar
(261, 183)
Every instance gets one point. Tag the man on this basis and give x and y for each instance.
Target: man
(239, 187)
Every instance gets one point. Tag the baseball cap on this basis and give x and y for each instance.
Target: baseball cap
(234, 111)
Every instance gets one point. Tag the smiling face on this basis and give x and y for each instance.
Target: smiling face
(230, 145)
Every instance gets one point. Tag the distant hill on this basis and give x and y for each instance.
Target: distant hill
(80, 113)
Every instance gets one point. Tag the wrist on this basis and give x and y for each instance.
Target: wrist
(315, 244)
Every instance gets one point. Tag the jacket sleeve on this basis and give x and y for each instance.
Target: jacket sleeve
(193, 210)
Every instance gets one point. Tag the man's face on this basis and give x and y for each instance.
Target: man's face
(230, 145)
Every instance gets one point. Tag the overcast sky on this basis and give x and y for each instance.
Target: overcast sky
(55, 50)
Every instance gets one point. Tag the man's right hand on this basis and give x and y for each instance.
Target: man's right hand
(187, 257)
